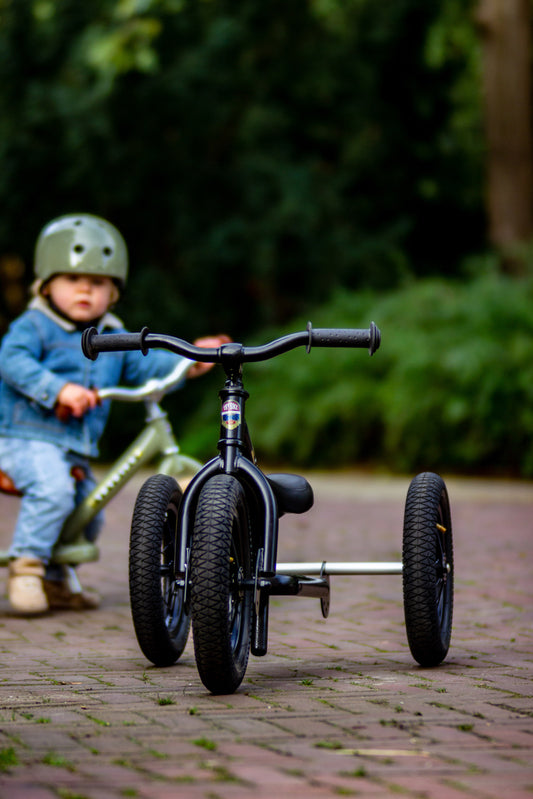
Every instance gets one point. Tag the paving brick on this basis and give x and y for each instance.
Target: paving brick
(337, 706)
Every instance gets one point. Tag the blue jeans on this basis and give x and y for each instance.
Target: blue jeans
(42, 471)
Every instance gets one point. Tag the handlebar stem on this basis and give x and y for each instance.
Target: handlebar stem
(231, 358)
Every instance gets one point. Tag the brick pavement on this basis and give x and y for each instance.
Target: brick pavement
(337, 707)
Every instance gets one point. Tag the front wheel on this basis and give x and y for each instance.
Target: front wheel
(221, 602)
(159, 618)
(428, 569)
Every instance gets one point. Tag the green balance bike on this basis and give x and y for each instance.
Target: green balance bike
(155, 443)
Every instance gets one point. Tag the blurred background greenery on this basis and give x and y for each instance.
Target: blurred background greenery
(269, 163)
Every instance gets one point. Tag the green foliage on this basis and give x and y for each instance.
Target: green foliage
(264, 159)
(8, 758)
(459, 390)
(255, 155)
(451, 387)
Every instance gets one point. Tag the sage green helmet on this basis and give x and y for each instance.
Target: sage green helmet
(81, 243)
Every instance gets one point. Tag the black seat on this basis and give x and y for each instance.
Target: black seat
(292, 491)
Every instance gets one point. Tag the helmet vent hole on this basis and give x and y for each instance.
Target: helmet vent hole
(79, 248)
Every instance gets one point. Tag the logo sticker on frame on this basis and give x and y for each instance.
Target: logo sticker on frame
(231, 414)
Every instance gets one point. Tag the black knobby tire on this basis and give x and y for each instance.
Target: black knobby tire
(221, 609)
(160, 621)
(428, 569)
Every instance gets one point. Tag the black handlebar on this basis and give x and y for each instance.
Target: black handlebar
(348, 337)
(93, 344)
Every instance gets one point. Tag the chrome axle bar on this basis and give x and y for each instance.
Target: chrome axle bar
(331, 568)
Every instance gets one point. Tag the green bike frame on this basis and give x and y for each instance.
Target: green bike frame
(156, 440)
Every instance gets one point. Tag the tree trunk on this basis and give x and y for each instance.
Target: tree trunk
(506, 37)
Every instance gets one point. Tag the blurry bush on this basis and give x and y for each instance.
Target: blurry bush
(253, 154)
(451, 387)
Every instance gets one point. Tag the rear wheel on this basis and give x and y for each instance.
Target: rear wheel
(221, 606)
(159, 618)
(428, 569)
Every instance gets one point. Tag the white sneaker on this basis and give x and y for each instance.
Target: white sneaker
(25, 586)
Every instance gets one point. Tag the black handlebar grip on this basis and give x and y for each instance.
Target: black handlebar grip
(92, 343)
(347, 337)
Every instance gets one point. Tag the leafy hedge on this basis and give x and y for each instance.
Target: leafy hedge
(253, 154)
(451, 387)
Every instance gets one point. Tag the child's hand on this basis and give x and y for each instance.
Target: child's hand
(74, 400)
(198, 368)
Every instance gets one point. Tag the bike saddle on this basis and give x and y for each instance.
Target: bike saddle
(292, 491)
(7, 486)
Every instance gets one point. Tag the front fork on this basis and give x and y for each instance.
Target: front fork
(254, 482)
(237, 459)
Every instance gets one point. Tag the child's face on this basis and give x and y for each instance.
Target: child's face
(81, 297)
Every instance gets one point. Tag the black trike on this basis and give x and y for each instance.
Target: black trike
(209, 555)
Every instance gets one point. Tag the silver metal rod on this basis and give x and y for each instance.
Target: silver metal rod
(326, 567)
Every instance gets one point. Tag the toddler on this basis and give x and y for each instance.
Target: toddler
(50, 416)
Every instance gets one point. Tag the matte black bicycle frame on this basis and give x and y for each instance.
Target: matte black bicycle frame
(237, 459)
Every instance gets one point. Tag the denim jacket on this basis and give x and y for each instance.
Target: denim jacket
(39, 354)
